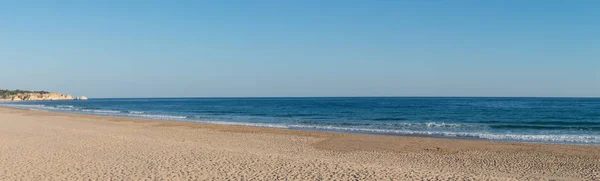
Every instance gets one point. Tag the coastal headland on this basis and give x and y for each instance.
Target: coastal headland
(56, 146)
(22, 95)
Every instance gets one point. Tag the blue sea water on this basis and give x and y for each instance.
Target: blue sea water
(547, 120)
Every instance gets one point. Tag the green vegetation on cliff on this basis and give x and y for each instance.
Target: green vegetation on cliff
(5, 93)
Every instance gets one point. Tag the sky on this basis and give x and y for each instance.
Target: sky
(309, 48)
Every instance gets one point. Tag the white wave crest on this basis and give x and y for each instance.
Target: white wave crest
(556, 138)
(157, 116)
(101, 111)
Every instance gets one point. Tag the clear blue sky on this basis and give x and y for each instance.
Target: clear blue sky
(302, 48)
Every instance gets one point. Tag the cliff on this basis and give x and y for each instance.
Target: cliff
(19, 95)
(38, 97)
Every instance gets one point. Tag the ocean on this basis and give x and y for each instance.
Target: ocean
(541, 120)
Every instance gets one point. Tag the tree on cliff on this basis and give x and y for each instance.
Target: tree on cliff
(5, 92)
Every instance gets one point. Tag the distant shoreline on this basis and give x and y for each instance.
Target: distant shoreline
(360, 97)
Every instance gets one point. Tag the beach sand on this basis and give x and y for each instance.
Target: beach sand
(39, 145)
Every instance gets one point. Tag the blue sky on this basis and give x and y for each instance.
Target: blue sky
(301, 48)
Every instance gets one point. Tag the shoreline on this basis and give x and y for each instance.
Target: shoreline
(187, 123)
(422, 134)
(185, 150)
(283, 130)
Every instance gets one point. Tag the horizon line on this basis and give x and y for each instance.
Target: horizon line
(220, 97)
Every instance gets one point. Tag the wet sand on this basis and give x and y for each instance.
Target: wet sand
(39, 145)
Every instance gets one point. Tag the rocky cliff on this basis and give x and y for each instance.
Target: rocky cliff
(83, 98)
(37, 96)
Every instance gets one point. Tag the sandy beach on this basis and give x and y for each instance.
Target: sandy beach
(54, 146)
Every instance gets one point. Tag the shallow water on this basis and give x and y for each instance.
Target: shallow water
(548, 120)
